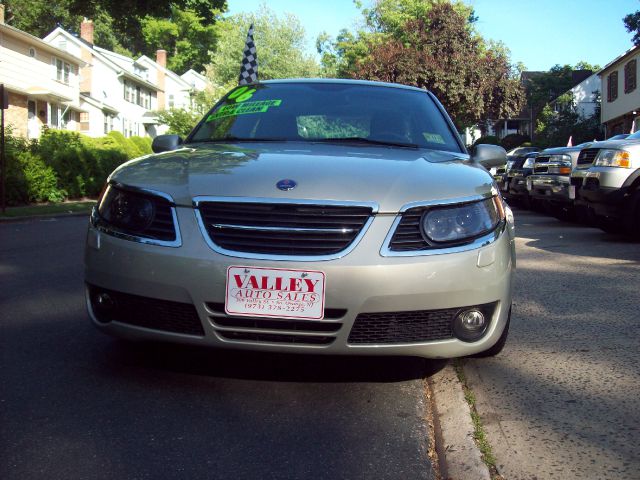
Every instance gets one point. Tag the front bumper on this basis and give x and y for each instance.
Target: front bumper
(605, 190)
(554, 188)
(517, 186)
(359, 282)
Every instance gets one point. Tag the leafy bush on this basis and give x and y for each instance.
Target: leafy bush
(130, 148)
(513, 140)
(488, 139)
(143, 144)
(28, 178)
(41, 181)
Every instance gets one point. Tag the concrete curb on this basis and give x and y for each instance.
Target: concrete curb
(43, 217)
(460, 458)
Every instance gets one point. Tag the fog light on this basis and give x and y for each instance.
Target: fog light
(469, 325)
(104, 306)
(104, 301)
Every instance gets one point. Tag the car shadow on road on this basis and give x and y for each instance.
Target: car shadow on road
(267, 366)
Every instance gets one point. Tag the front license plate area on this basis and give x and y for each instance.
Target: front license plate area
(572, 192)
(275, 293)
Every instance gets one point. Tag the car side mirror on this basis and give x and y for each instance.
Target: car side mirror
(165, 143)
(489, 156)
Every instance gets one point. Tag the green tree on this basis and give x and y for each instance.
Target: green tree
(632, 24)
(179, 120)
(441, 52)
(555, 126)
(119, 25)
(280, 43)
(188, 37)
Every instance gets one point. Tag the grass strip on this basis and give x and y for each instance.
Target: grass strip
(83, 206)
(479, 435)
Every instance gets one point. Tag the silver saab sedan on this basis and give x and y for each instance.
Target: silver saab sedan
(308, 216)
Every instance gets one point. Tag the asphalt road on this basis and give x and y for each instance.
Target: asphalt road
(77, 404)
(562, 400)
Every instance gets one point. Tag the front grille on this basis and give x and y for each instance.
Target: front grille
(403, 327)
(146, 312)
(276, 338)
(283, 228)
(540, 166)
(278, 330)
(587, 156)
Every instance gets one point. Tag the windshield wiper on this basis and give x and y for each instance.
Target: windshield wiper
(231, 138)
(369, 141)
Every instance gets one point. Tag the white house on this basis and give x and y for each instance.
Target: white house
(42, 82)
(621, 95)
(196, 81)
(583, 97)
(115, 96)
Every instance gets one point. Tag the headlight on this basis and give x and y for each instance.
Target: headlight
(462, 222)
(529, 162)
(560, 158)
(135, 216)
(613, 158)
(126, 210)
(563, 169)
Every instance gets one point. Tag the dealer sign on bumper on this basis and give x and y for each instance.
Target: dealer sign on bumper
(275, 292)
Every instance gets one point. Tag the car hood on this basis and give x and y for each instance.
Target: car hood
(390, 177)
(560, 150)
(615, 143)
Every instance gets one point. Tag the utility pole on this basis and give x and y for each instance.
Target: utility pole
(4, 103)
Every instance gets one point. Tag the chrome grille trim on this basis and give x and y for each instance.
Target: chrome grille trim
(586, 157)
(197, 201)
(284, 229)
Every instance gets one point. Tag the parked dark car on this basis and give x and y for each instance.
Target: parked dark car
(551, 179)
(515, 186)
(514, 155)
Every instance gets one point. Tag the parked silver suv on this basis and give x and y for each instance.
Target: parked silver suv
(610, 186)
(551, 179)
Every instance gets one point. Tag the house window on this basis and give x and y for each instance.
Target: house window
(63, 71)
(108, 122)
(612, 87)
(138, 97)
(630, 76)
(54, 118)
(171, 101)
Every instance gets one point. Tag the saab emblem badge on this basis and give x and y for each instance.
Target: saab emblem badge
(286, 185)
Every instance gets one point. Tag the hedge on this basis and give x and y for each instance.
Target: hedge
(64, 164)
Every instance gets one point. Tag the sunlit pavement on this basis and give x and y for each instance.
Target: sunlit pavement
(75, 403)
(562, 399)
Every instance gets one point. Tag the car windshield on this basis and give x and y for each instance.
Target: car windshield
(328, 112)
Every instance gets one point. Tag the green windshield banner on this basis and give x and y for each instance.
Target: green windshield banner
(244, 108)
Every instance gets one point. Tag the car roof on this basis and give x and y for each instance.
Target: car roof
(341, 81)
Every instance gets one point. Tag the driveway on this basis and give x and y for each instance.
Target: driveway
(77, 404)
(562, 399)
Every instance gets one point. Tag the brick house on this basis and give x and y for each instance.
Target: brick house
(42, 81)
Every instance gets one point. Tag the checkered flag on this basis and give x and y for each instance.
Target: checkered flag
(249, 67)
